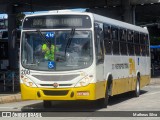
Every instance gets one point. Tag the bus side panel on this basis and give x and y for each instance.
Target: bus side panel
(124, 78)
(143, 67)
(123, 72)
(145, 80)
(100, 89)
(123, 85)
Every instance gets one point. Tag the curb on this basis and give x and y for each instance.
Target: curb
(10, 98)
(155, 81)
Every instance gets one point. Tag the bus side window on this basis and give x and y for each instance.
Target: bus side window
(142, 42)
(137, 43)
(123, 42)
(130, 40)
(107, 39)
(115, 40)
(99, 38)
(147, 45)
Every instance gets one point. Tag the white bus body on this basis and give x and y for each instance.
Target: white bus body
(107, 69)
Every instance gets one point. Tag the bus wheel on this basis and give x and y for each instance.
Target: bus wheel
(47, 103)
(137, 90)
(104, 101)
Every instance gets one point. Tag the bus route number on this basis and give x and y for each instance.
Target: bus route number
(25, 72)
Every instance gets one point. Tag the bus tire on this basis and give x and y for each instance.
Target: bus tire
(47, 103)
(137, 89)
(103, 102)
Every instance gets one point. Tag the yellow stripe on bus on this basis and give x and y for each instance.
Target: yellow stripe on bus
(128, 84)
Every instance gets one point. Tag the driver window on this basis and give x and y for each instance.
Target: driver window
(99, 45)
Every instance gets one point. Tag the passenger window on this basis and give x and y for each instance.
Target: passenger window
(147, 39)
(107, 39)
(143, 46)
(99, 45)
(137, 43)
(114, 32)
(147, 45)
(142, 38)
(136, 37)
(107, 31)
(143, 50)
(130, 41)
(123, 42)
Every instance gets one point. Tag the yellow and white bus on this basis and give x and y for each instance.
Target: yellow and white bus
(81, 56)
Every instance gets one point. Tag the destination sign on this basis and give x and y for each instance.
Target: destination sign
(57, 21)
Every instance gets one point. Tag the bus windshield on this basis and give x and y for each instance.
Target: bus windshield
(57, 50)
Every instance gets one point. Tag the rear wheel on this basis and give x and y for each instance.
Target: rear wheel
(137, 89)
(47, 104)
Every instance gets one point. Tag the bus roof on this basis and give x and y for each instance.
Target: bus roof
(98, 18)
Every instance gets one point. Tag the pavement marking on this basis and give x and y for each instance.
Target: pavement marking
(14, 108)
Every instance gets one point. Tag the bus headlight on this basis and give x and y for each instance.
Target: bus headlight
(28, 82)
(84, 82)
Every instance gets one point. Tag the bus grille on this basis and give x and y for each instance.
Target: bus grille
(55, 77)
(61, 85)
(55, 93)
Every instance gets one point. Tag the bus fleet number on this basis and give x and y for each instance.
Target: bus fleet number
(25, 72)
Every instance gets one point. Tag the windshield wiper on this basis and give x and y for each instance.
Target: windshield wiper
(69, 39)
(42, 36)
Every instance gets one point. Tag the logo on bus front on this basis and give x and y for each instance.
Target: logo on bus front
(55, 85)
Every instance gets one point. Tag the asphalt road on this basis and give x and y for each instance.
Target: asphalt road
(148, 102)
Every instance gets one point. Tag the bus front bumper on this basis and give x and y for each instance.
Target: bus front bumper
(76, 93)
